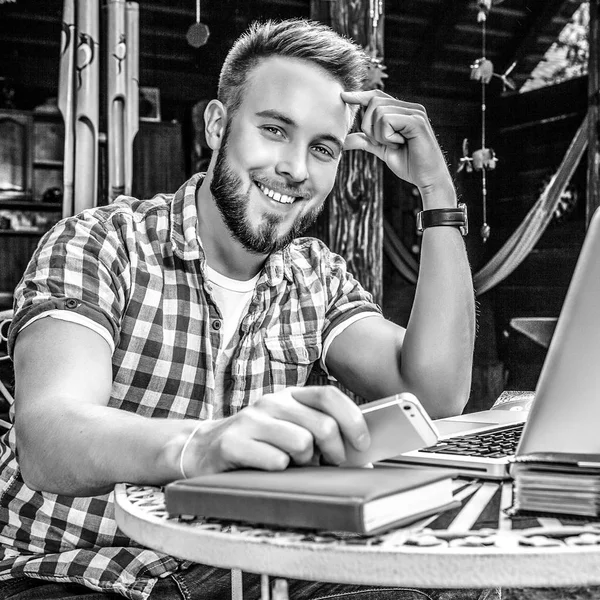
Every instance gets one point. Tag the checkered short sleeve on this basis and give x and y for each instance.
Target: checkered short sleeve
(345, 295)
(80, 265)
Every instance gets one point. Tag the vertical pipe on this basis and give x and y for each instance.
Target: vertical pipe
(116, 48)
(133, 95)
(66, 101)
(87, 111)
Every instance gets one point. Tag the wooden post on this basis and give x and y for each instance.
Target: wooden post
(593, 173)
(352, 221)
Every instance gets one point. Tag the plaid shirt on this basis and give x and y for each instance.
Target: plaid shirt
(136, 268)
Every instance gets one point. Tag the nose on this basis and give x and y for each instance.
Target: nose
(292, 163)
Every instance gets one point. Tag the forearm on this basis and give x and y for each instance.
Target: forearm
(437, 353)
(86, 450)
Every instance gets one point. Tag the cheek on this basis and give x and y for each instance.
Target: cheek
(323, 176)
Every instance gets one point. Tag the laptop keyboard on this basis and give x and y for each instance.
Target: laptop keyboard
(491, 444)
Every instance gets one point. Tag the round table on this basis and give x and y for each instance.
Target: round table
(476, 545)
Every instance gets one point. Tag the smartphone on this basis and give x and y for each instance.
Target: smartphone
(396, 424)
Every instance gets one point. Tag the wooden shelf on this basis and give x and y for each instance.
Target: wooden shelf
(48, 164)
(21, 233)
(30, 205)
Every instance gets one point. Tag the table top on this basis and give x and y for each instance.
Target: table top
(474, 545)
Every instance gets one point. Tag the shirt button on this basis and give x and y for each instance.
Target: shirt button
(216, 325)
(71, 303)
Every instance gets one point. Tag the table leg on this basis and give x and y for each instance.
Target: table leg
(280, 589)
(265, 592)
(237, 589)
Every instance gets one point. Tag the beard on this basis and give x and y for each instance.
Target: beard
(227, 190)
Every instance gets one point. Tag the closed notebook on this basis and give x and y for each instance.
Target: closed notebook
(557, 482)
(364, 501)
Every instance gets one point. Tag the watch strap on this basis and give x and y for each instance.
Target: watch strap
(449, 217)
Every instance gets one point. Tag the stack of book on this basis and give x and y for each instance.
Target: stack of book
(364, 501)
(557, 482)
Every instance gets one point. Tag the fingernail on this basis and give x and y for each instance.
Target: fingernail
(363, 441)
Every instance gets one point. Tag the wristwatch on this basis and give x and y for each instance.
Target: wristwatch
(450, 217)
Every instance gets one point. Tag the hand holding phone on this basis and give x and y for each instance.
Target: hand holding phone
(396, 424)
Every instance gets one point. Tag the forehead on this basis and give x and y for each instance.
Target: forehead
(299, 89)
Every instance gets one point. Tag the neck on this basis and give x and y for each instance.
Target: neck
(223, 252)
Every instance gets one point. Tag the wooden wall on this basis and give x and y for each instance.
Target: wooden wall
(532, 134)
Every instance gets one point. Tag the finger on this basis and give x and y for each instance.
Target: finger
(378, 110)
(363, 98)
(398, 126)
(255, 454)
(324, 429)
(360, 141)
(288, 434)
(346, 414)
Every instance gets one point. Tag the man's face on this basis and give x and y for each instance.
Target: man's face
(280, 152)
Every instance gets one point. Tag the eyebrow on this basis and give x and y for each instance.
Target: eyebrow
(278, 116)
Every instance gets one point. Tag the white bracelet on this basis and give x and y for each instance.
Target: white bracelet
(184, 448)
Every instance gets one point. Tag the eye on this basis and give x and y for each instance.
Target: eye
(324, 151)
(275, 131)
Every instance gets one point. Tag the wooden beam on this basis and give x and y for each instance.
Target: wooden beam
(352, 222)
(528, 40)
(593, 165)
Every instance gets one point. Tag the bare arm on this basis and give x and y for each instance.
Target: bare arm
(71, 442)
(433, 357)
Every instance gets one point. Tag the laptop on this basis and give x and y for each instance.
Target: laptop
(563, 415)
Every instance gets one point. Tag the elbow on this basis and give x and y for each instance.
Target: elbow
(444, 398)
(30, 463)
(451, 405)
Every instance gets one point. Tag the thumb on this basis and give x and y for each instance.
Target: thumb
(360, 141)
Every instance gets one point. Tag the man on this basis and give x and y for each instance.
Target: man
(167, 338)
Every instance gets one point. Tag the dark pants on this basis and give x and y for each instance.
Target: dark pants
(208, 583)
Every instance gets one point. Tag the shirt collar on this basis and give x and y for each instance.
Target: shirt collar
(188, 246)
(184, 221)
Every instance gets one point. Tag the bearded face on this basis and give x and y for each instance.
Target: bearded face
(233, 200)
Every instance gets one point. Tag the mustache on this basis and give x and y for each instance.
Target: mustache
(283, 188)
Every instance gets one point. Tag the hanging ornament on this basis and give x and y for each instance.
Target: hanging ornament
(484, 7)
(483, 70)
(198, 33)
(506, 82)
(484, 159)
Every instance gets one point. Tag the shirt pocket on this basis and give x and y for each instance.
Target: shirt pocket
(300, 349)
(291, 358)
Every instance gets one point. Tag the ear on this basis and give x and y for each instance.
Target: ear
(215, 117)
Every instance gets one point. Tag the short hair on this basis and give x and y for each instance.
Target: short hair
(297, 38)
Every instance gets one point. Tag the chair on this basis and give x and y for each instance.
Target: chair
(6, 371)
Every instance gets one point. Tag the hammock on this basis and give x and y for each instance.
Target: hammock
(520, 243)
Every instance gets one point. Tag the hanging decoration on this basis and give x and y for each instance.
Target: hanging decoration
(484, 159)
(376, 69)
(198, 33)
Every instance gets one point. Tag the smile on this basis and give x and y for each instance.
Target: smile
(281, 198)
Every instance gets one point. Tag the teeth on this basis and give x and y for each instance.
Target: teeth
(282, 198)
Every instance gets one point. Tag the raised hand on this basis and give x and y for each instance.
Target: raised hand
(400, 134)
